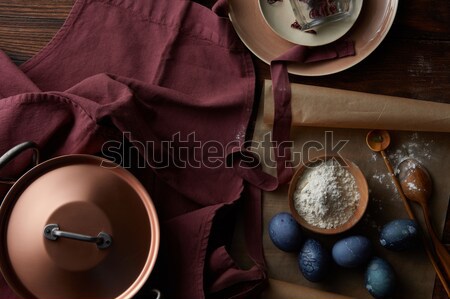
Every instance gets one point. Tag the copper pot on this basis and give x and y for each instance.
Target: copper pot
(76, 226)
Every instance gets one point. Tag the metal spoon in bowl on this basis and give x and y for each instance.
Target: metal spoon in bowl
(378, 141)
(417, 186)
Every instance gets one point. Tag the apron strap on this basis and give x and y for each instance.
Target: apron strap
(244, 161)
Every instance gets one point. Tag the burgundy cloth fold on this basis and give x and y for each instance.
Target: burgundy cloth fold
(282, 95)
(13, 80)
(282, 115)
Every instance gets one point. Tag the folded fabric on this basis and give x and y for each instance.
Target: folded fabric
(282, 106)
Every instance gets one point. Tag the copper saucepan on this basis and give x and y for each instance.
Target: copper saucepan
(76, 226)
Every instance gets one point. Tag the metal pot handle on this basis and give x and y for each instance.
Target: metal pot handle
(13, 153)
(157, 294)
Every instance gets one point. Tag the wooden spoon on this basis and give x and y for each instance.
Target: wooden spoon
(417, 186)
(378, 141)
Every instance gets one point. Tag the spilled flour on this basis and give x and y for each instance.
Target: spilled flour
(415, 146)
(326, 195)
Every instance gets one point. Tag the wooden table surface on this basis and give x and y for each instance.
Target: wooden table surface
(413, 61)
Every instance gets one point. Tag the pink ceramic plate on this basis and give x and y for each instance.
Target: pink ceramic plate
(368, 32)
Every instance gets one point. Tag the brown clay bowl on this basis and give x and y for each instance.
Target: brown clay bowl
(361, 186)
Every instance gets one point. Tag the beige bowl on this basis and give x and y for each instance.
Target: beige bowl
(361, 186)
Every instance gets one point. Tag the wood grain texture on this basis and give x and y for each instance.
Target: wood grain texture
(413, 61)
(27, 26)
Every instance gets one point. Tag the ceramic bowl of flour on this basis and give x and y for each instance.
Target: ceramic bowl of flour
(328, 195)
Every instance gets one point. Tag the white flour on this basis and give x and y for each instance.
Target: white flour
(415, 146)
(326, 195)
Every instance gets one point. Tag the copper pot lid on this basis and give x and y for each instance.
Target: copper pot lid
(78, 226)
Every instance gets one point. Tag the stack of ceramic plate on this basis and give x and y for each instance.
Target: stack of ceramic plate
(266, 30)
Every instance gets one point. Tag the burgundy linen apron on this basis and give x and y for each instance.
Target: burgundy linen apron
(166, 89)
(171, 81)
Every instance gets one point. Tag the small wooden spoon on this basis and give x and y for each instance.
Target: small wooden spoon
(417, 186)
(378, 141)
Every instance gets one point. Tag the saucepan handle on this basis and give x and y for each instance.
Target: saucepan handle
(156, 294)
(13, 153)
